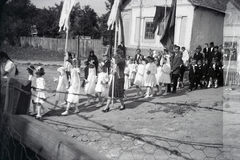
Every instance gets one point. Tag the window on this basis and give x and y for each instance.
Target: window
(148, 31)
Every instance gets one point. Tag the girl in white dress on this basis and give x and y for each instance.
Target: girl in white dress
(90, 82)
(165, 78)
(127, 81)
(40, 95)
(73, 91)
(132, 71)
(159, 72)
(61, 91)
(32, 77)
(102, 85)
(150, 81)
(139, 79)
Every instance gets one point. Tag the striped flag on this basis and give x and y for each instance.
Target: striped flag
(114, 15)
(64, 18)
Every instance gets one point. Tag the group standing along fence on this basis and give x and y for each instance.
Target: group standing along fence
(79, 46)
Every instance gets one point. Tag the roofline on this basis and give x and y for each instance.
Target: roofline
(222, 11)
(235, 4)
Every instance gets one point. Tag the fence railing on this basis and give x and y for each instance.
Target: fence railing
(22, 137)
(79, 46)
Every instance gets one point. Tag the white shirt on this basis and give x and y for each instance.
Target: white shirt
(185, 56)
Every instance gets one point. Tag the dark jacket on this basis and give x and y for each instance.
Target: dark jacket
(193, 71)
(198, 56)
(176, 63)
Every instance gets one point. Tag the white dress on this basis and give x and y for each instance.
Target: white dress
(74, 89)
(102, 86)
(165, 76)
(150, 80)
(127, 82)
(139, 79)
(32, 78)
(132, 70)
(158, 74)
(61, 87)
(91, 81)
(40, 95)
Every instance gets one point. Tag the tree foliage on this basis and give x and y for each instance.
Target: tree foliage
(18, 17)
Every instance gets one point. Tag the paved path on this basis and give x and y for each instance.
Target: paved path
(185, 125)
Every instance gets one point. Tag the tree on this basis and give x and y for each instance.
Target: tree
(84, 22)
(17, 20)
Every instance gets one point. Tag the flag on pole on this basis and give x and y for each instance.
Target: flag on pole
(158, 19)
(64, 18)
(167, 39)
(114, 15)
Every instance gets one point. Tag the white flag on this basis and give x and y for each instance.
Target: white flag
(64, 18)
(113, 17)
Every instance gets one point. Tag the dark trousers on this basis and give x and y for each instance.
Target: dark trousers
(193, 83)
(175, 79)
(182, 70)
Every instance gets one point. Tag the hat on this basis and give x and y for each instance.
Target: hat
(40, 70)
(31, 67)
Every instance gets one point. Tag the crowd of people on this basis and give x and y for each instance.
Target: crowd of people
(164, 71)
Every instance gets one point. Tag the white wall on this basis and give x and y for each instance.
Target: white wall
(147, 12)
(184, 9)
(232, 26)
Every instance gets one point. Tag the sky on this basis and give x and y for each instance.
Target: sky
(97, 5)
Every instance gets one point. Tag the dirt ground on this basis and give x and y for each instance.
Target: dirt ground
(202, 117)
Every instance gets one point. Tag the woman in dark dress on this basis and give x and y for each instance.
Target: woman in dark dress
(93, 57)
(118, 73)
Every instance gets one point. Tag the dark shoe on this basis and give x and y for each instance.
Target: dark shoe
(105, 110)
(122, 107)
(173, 91)
(189, 90)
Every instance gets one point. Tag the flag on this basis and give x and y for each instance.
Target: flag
(167, 38)
(64, 18)
(114, 15)
(158, 19)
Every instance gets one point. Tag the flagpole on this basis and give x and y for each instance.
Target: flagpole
(66, 47)
(165, 12)
(114, 65)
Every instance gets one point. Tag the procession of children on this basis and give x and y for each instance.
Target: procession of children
(150, 75)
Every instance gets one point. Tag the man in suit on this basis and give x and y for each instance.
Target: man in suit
(205, 51)
(137, 55)
(210, 52)
(198, 56)
(175, 65)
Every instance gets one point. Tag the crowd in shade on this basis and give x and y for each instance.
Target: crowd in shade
(156, 75)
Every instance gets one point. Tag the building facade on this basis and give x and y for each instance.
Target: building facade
(197, 22)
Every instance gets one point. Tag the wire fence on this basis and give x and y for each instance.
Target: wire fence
(116, 144)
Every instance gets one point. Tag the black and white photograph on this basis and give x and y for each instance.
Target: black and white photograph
(120, 80)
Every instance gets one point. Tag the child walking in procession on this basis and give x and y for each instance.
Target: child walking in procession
(158, 74)
(61, 91)
(150, 81)
(90, 82)
(40, 95)
(32, 77)
(139, 79)
(127, 81)
(165, 77)
(213, 74)
(73, 92)
(102, 85)
(132, 71)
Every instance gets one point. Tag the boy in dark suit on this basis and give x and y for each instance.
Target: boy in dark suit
(193, 75)
(213, 74)
(205, 73)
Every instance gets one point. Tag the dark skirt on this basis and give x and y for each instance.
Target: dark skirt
(118, 88)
